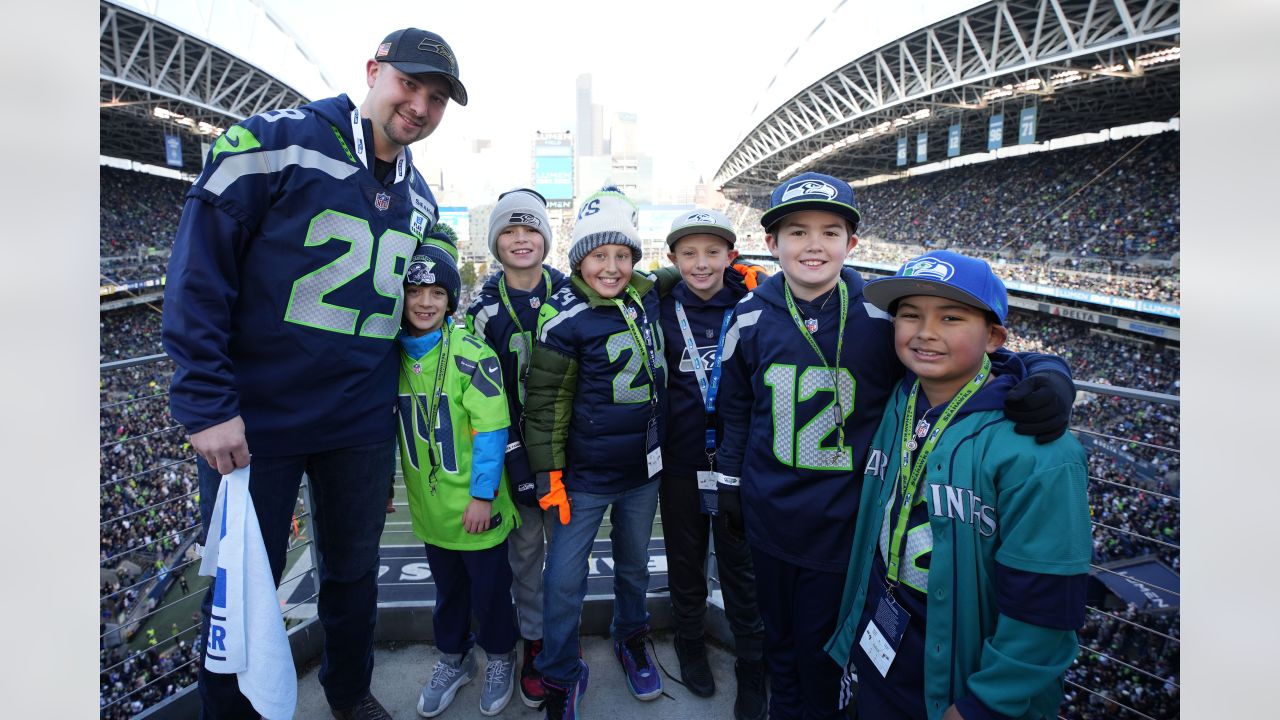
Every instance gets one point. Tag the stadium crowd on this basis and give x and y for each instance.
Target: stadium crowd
(139, 216)
(1093, 357)
(1079, 218)
(1114, 200)
(131, 682)
(1102, 677)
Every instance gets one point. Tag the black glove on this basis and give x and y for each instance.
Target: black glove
(729, 500)
(1040, 405)
(516, 462)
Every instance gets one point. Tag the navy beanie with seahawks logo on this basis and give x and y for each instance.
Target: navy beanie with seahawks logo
(435, 262)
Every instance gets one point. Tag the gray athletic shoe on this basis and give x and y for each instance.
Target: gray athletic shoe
(451, 672)
(499, 683)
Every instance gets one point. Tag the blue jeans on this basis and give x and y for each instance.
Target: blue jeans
(349, 499)
(564, 582)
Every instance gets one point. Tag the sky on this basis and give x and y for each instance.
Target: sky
(698, 75)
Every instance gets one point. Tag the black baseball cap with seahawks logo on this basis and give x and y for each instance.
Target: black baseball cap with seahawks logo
(812, 191)
(417, 52)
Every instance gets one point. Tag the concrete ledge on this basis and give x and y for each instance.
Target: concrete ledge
(402, 626)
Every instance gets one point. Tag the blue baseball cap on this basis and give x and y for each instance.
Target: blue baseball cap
(812, 191)
(944, 274)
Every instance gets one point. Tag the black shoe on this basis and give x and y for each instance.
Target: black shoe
(695, 671)
(367, 708)
(531, 690)
(752, 702)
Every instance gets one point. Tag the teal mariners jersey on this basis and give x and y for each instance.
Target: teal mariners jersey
(994, 561)
(472, 401)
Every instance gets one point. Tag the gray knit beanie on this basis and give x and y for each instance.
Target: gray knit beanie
(520, 206)
(607, 217)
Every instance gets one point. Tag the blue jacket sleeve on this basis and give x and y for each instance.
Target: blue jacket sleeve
(487, 451)
(1041, 362)
(200, 290)
(733, 404)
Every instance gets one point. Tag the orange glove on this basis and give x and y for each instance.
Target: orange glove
(551, 493)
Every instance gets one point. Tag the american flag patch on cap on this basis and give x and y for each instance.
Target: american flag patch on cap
(383, 49)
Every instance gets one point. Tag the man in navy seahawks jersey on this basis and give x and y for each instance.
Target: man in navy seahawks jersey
(282, 305)
(808, 367)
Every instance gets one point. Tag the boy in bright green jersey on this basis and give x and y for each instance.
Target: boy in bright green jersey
(453, 434)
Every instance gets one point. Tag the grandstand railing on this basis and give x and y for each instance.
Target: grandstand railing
(1104, 682)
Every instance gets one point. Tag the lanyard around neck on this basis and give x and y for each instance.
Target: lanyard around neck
(835, 372)
(708, 388)
(506, 302)
(506, 299)
(914, 472)
(643, 340)
(433, 409)
(357, 132)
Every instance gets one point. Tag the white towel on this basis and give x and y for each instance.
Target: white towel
(246, 631)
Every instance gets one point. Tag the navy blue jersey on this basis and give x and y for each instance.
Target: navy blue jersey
(777, 403)
(588, 401)
(489, 319)
(284, 290)
(684, 452)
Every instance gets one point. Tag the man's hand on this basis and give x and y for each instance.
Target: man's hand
(476, 518)
(223, 446)
(952, 714)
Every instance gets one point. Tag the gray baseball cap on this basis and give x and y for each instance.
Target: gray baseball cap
(701, 220)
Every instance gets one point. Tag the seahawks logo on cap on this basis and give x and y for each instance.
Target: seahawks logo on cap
(431, 46)
(929, 269)
(420, 271)
(700, 218)
(807, 188)
(522, 218)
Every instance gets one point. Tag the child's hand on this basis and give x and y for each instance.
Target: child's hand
(476, 518)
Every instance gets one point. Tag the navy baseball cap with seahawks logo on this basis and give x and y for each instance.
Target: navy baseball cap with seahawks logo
(701, 220)
(417, 52)
(942, 273)
(812, 191)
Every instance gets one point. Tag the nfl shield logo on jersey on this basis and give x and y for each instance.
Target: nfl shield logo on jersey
(382, 201)
(534, 303)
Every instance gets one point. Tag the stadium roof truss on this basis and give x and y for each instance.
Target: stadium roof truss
(156, 79)
(1088, 64)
